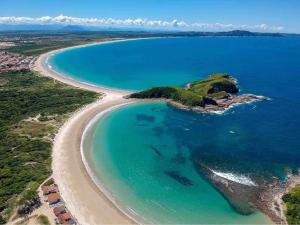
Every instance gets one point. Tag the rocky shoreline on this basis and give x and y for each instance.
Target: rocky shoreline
(219, 104)
(270, 200)
(264, 196)
(217, 93)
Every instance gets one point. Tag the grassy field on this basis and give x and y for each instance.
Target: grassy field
(198, 93)
(32, 109)
(292, 201)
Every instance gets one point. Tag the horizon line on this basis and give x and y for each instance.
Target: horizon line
(136, 23)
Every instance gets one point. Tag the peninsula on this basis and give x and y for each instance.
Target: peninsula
(216, 93)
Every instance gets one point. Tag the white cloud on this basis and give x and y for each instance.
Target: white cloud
(175, 24)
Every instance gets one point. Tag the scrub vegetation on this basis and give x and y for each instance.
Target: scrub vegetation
(43, 220)
(32, 110)
(292, 201)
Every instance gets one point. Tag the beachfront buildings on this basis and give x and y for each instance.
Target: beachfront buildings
(53, 198)
(57, 205)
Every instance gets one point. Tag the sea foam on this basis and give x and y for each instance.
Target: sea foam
(241, 179)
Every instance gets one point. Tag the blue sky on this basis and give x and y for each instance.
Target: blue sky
(273, 13)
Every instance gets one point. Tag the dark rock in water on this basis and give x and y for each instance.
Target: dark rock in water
(144, 117)
(240, 196)
(157, 152)
(179, 178)
(264, 195)
(219, 104)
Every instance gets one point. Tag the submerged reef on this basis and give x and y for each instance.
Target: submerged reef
(247, 196)
(179, 178)
(216, 93)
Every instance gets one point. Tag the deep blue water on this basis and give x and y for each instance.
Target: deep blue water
(258, 140)
(136, 65)
(263, 65)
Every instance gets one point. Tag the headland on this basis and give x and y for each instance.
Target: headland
(214, 94)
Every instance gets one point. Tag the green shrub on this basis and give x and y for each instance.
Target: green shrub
(292, 201)
(49, 182)
(199, 93)
(43, 220)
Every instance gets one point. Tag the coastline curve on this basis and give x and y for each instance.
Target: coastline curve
(127, 211)
(82, 195)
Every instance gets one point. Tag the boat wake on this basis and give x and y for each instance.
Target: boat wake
(241, 179)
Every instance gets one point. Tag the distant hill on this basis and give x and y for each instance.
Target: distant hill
(233, 33)
(73, 28)
(245, 33)
(78, 28)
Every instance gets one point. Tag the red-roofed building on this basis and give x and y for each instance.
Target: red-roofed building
(59, 210)
(53, 198)
(65, 218)
(49, 189)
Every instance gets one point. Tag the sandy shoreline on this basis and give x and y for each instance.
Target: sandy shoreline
(42, 67)
(84, 199)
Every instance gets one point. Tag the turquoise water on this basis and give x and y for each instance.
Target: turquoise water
(124, 159)
(136, 148)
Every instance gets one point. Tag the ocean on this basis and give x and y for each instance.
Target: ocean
(146, 154)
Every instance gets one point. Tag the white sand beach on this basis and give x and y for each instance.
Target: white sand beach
(82, 197)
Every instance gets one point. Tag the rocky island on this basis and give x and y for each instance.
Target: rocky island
(216, 93)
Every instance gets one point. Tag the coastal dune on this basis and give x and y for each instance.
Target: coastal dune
(82, 196)
(84, 199)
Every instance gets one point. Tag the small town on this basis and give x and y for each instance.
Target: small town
(14, 62)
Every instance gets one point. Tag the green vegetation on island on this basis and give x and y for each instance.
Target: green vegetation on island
(197, 93)
(32, 110)
(292, 201)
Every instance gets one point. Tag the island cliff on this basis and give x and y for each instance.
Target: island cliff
(216, 93)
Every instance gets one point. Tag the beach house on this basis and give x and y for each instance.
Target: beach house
(53, 198)
(66, 218)
(49, 189)
(59, 210)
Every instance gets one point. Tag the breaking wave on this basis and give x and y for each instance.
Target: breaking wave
(241, 179)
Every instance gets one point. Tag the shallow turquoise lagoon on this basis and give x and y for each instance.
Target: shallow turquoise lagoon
(131, 153)
(144, 154)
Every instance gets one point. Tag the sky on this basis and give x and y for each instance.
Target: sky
(257, 15)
